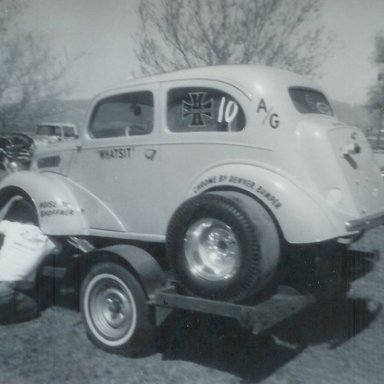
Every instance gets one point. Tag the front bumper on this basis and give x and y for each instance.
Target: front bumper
(367, 222)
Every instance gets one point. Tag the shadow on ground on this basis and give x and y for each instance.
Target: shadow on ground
(222, 344)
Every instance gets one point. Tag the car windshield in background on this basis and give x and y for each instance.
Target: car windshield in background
(48, 130)
(310, 101)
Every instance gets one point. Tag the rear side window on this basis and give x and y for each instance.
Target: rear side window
(308, 100)
(197, 109)
(128, 114)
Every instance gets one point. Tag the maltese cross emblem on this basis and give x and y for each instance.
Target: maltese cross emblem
(197, 108)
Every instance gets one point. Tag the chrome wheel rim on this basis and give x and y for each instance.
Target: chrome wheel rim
(212, 250)
(110, 310)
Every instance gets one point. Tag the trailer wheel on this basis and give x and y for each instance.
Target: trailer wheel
(114, 311)
(223, 245)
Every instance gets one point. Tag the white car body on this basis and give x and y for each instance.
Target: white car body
(314, 174)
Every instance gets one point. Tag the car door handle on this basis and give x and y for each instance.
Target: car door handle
(150, 153)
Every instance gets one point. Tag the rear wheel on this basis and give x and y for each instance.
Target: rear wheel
(223, 245)
(114, 310)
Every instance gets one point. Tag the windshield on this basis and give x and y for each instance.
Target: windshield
(308, 100)
(48, 130)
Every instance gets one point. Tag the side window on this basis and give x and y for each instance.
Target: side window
(69, 132)
(197, 109)
(128, 114)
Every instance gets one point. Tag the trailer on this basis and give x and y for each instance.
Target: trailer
(122, 305)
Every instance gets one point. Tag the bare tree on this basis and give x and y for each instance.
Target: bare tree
(376, 96)
(29, 74)
(179, 34)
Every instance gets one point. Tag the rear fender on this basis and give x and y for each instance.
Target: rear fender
(58, 210)
(301, 218)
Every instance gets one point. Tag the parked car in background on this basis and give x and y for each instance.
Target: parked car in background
(376, 139)
(17, 149)
(53, 132)
(379, 158)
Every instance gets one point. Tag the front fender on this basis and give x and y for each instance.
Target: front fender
(302, 218)
(58, 210)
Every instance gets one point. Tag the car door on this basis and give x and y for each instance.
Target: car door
(118, 163)
(203, 126)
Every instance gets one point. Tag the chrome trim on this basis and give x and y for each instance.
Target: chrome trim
(366, 222)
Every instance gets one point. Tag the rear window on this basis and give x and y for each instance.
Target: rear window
(310, 101)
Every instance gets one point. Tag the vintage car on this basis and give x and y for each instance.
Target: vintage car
(48, 133)
(16, 150)
(237, 172)
(379, 158)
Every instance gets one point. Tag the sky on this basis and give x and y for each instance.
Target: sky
(95, 37)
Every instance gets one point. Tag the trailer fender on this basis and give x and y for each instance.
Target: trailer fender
(301, 217)
(138, 261)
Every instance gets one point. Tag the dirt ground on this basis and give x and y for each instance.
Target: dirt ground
(322, 345)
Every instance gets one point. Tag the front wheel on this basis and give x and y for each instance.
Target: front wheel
(21, 210)
(114, 310)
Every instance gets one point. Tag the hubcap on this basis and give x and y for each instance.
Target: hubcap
(111, 309)
(212, 250)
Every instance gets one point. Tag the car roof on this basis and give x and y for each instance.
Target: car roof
(245, 76)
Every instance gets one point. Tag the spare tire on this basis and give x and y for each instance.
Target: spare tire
(223, 246)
